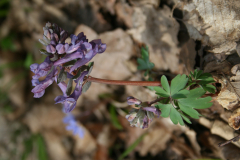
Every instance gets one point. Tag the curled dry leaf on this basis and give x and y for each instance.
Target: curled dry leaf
(227, 99)
(236, 71)
(234, 120)
(205, 18)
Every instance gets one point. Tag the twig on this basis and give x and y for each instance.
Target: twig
(235, 139)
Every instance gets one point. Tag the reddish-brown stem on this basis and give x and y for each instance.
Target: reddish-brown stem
(117, 82)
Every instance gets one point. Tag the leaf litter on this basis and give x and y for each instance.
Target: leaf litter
(124, 26)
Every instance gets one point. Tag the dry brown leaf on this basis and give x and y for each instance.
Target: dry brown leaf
(156, 140)
(192, 138)
(227, 152)
(110, 64)
(124, 13)
(55, 146)
(155, 3)
(188, 54)
(205, 122)
(214, 22)
(227, 99)
(223, 130)
(159, 32)
(234, 120)
(218, 67)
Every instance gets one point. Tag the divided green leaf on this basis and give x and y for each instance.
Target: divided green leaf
(202, 79)
(178, 83)
(168, 109)
(144, 63)
(165, 84)
(161, 92)
(193, 101)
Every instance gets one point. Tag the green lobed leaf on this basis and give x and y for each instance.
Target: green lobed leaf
(196, 93)
(207, 81)
(175, 116)
(185, 118)
(189, 111)
(208, 87)
(168, 109)
(178, 83)
(180, 94)
(198, 74)
(161, 92)
(165, 109)
(192, 101)
(195, 73)
(204, 76)
(165, 84)
(144, 63)
(198, 103)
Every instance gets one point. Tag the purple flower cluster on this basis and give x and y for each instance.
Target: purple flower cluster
(72, 125)
(64, 61)
(143, 116)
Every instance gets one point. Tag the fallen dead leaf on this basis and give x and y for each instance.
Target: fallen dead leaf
(223, 130)
(204, 19)
(159, 32)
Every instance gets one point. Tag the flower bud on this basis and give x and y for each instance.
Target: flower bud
(131, 100)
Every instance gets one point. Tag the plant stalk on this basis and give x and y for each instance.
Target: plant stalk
(119, 82)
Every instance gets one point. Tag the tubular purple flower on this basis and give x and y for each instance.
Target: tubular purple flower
(153, 110)
(63, 36)
(50, 49)
(100, 46)
(73, 48)
(35, 82)
(82, 37)
(131, 100)
(95, 44)
(42, 69)
(73, 39)
(72, 125)
(145, 122)
(34, 68)
(39, 89)
(70, 101)
(69, 57)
